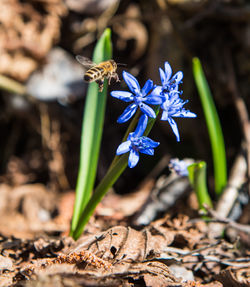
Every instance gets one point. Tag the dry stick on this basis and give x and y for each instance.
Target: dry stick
(217, 218)
(204, 258)
(241, 165)
(241, 108)
(230, 194)
(12, 86)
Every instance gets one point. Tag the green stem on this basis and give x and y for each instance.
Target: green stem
(197, 175)
(109, 179)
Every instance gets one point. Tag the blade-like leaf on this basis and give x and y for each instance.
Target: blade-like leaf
(92, 127)
(214, 127)
(197, 177)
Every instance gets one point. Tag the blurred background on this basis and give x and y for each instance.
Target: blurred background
(41, 111)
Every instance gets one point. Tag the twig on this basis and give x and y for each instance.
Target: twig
(12, 86)
(240, 106)
(184, 253)
(239, 262)
(230, 194)
(217, 218)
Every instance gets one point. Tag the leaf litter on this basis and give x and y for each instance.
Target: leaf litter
(171, 251)
(123, 255)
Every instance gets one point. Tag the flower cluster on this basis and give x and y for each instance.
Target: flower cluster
(179, 166)
(167, 96)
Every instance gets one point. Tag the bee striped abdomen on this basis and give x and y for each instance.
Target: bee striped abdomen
(93, 74)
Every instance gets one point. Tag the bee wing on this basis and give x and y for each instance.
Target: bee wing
(86, 62)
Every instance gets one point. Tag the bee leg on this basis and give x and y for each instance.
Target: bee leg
(116, 77)
(100, 84)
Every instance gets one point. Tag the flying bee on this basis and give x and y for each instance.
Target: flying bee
(98, 72)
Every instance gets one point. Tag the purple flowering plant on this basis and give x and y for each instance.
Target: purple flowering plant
(144, 106)
(167, 96)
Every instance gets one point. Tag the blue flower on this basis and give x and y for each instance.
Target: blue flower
(136, 143)
(179, 166)
(173, 107)
(170, 84)
(139, 97)
(172, 104)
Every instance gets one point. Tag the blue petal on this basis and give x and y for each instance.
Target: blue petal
(122, 95)
(147, 87)
(149, 151)
(149, 143)
(157, 91)
(184, 114)
(154, 99)
(175, 95)
(174, 128)
(147, 110)
(164, 116)
(178, 77)
(162, 76)
(123, 147)
(168, 71)
(179, 166)
(131, 82)
(133, 158)
(141, 126)
(188, 114)
(127, 114)
(166, 105)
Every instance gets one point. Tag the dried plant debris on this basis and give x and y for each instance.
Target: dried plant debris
(17, 252)
(235, 277)
(154, 256)
(90, 7)
(164, 194)
(28, 29)
(124, 243)
(26, 210)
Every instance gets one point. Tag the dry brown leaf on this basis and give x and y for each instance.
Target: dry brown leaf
(186, 233)
(115, 206)
(124, 243)
(235, 277)
(27, 33)
(148, 273)
(26, 209)
(5, 263)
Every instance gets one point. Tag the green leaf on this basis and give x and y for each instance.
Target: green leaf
(109, 179)
(197, 177)
(92, 128)
(214, 127)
